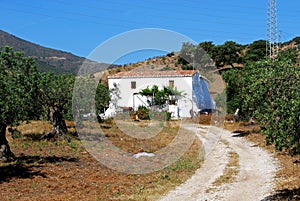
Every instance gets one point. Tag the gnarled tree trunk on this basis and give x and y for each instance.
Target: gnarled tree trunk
(59, 128)
(5, 152)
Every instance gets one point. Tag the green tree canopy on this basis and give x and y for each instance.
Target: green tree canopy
(227, 54)
(102, 98)
(160, 97)
(18, 92)
(269, 91)
(204, 53)
(233, 79)
(56, 97)
(207, 46)
(255, 51)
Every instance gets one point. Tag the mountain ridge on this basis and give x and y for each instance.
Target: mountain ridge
(58, 61)
(48, 59)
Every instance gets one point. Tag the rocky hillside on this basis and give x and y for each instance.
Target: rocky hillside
(166, 62)
(173, 61)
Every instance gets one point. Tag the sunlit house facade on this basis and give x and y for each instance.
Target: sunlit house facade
(195, 94)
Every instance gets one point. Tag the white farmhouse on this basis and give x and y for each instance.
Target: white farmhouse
(194, 87)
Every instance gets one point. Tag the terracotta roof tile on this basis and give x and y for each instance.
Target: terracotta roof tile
(174, 73)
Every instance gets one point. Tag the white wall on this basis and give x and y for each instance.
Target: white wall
(128, 100)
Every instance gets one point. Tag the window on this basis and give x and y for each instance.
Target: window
(133, 85)
(171, 83)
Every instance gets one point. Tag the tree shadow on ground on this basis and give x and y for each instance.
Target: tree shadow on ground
(17, 171)
(44, 159)
(286, 194)
(24, 165)
(33, 137)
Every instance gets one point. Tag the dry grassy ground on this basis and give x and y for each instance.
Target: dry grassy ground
(63, 170)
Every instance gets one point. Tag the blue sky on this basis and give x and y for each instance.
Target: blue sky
(80, 26)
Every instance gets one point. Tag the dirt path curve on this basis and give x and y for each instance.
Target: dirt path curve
(255, 171)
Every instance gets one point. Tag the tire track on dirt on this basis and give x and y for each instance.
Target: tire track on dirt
(257, 171)
(255, 178)
(212, 168)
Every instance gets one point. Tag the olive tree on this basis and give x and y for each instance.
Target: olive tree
(18, 92)
(56, 97)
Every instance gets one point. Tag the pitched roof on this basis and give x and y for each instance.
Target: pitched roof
(173, 73)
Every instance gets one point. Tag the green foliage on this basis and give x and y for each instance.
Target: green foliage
(57, 90)
(206, 52)
(233, 92)
(86, 100)
(18, 87)
(269, 91)
(207, 46)
(102, 98)
(185, 55)
(160, 97)
(227, 54)
(290, 54)
(187, 49)
(82, 94)
(273, 98)
(187, 67)
(255, 51)
(143, 113)
(264, 89)
(221, 100)
(192, 56)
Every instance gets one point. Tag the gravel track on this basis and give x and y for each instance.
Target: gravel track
(254, 180)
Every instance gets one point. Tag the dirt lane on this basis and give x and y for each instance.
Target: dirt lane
(254, 180)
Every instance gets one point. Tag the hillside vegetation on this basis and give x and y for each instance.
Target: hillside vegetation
(47, 59)
(224, 56)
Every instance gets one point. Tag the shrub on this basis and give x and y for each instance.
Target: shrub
(143, 113)
(270, 92)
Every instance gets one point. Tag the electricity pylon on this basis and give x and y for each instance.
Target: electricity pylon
(272, 42)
